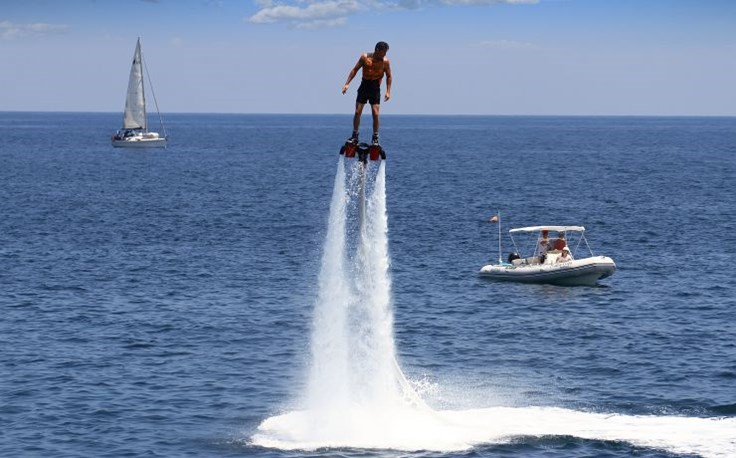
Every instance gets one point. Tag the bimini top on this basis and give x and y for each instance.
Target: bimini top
(548, 228)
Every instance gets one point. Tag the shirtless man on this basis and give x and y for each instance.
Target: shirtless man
(374, 66)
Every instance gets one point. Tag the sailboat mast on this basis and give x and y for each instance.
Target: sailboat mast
(143, 85)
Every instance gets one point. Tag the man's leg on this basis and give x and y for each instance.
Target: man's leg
(356, 119)
(375, 110)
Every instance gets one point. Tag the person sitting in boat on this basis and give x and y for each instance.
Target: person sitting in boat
(543, 246)
(559, 242)
(565, 256)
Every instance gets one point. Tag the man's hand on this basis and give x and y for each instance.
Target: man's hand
(344, 89)
(386, 97)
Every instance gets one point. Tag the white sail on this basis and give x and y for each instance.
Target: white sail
(135, 101)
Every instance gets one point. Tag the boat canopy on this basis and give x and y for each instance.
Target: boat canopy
(548, 228)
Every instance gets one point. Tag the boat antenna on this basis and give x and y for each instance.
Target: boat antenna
(499, 237)
(155, 102)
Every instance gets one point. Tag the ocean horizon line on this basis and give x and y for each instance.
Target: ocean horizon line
(384, 115)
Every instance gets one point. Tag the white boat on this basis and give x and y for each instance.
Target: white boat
(548, 264)
(134, 133)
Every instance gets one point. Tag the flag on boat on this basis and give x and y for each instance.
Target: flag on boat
(493, 219)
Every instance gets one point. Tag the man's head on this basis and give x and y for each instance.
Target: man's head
(381, 48)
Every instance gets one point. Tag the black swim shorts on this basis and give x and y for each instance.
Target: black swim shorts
(369, 91)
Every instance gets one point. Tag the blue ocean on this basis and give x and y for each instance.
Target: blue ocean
(188, 301)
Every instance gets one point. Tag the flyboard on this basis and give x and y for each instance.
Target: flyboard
(363, 151)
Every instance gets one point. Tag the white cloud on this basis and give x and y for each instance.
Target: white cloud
(320, 11)
(334, 13)
(10, 30)
(488, 2)
(321, 24)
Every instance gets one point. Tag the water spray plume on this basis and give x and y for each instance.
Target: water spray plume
(357, 395)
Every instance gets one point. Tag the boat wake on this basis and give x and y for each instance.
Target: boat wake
(358, 397)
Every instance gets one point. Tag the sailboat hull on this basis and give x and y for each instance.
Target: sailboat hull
(140, 142)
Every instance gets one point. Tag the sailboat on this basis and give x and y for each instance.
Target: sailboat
(134, 133)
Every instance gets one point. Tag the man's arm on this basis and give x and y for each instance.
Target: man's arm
(387, 69)
(353, 72)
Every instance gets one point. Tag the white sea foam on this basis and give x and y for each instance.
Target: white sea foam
(404, 428)
(357, 395)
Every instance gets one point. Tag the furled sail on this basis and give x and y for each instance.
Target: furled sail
(135, 102)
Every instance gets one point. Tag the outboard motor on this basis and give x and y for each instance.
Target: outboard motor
(513, 256)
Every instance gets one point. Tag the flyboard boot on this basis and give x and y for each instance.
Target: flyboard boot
(350, 146)
(375, 151)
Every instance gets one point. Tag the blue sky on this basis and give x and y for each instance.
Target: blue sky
(508, 57)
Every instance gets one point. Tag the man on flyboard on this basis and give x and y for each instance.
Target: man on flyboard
(374, 66)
